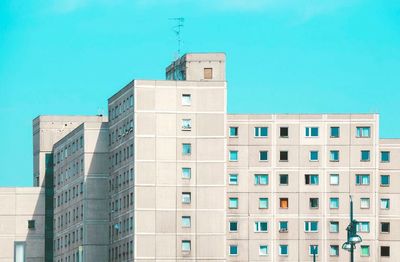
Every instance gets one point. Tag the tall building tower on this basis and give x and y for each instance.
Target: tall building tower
(167, 154)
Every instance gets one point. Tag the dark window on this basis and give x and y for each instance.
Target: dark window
(385, 251)
(31, 224)
(284, 156)
(284, 132)
(335, 132)
(314, 202)
(385, 227)
(283, 179)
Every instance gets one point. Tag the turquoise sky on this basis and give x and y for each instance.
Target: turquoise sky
(69, 56)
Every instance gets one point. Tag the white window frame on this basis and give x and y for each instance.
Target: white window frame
(258, 129)
(186, 99)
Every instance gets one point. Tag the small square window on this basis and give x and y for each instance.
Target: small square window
(385, 203)
(364, 251)
(313, 155)
(260, 227)
(385, 227)
(186, 245)
(334, 179)
(283, 156)
(334, 203)
(233, 203)
(313, 250)
(263, 203)
(284, 202)
(283, 250)
(261, 131)
(283, 179)
(186, 99)
(233, 250)
(311, 179)
(233, 131)
(314, 202)
(311, 226)
(186, 149)
(261, 179)
(186, 124)
(385, 156)
(365, 155)
(311, 131)
(334, 251)
(186, 221)
(284, 132)
(263, 155)
(233, 226)
(334, 156)
(233, 155)
(335, 131)
(186, 198)
(283, 226)
(263, 250)
(385, 251)
(362, 227)
(363, 132)
(208, 73)
(362, 180)
(233, 179)
(364, 203)
(31, 224)
(385, 180)
(186, 172)
(334, 227)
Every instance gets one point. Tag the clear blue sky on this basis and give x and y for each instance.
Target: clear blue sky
(69, 56)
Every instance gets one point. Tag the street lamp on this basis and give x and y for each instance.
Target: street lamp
(352, 237)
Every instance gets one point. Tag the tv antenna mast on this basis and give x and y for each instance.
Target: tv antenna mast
(177, 30)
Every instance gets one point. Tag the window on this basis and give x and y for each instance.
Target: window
(313, 155)
(334, 250)
(362, 180)
(334, 227)
(284, 202)
(261, 131)
(364, 251)
(311, 131)
(385, 227)
(263, 203)
(233, 131)
(233, 179)
(385, 156)
(363, 131)
(385, 203)
(311, 179)
(365, 155)
(233, 226)
(208, 73)
(284, 132)
(233, 155)
(334, 156)
(233, 202)
(186, 245)
(186, 149)
(186, 99)
(233, 250)
(186, 172)
(314, 202)
(364, 203)
(385, 180)
(261, 179)
(283, 156)
(385, 251)
(283, 226)
(19, 251)
(283, 179)
(186, 124)
(333, 202)
(363, 227)
(260, 226)
(31, 224)
(334, 179)
(263, 250)
(311, 226)
(186, 198)
(186, 221)
(313, 250)
(283, 250)
(263, 155)
(335, 131)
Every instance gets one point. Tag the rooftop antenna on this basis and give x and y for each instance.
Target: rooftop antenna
(177, 30)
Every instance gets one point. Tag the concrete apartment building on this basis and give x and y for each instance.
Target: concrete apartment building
(171, 176)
